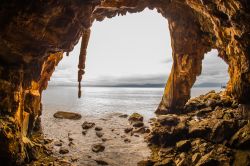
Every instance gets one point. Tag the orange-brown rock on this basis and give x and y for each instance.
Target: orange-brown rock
(34, 34)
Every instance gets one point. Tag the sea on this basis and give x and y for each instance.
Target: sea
(100, 101)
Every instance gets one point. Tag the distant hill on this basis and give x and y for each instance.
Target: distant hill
(148, 85)
(210, 84)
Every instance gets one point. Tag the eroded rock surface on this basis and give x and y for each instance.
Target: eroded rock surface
(203, 134)
(34, 35)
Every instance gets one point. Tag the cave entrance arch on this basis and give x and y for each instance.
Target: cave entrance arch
(140, 73)
(214, 75)
(145, 58)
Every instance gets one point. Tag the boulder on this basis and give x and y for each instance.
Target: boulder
(241, 139)
(135, 117)
(67, 115)
(223, 130)
(168, 120)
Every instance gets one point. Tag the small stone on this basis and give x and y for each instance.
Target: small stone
(126, 140)
(135, 117)
(63, 150)
(70, 139)
(127, 130)
(101, 162)
(98, 148)
(123, 136)
(74, 159)
(67, 115)
(58, 143)
(104, 139)
(47, 141)
(123, 116)
(97, 128)
(183, 145)
(84, 132)
(71, 143)
(138, 124)
(88, 125)
(99, 134)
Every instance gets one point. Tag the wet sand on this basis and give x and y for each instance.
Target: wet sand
(117, 152)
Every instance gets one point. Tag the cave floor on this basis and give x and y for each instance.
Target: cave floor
(120, 147)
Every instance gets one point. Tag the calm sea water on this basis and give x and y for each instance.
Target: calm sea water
(98, 101)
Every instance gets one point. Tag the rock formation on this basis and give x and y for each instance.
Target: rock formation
(34, 35)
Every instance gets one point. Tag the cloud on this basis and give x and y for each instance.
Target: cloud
(132, 54)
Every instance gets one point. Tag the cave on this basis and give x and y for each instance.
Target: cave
(35, 34)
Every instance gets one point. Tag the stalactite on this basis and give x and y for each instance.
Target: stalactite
(82, 58)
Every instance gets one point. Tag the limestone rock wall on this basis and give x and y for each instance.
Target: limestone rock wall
(21, 107)
(34, 34)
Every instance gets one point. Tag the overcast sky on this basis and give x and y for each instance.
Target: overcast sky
(131, 49)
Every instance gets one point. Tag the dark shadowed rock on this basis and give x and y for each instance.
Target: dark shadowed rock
(97, 128)
(138, 124)
(168, 120)
(241, 139)
(165, 162)
(127, 130)
(242, 158)
(67, 115)
(223, 130)
(183, 145)
(146, 163)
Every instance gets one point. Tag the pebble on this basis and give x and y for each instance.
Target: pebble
(98, 148)
(63, 150)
